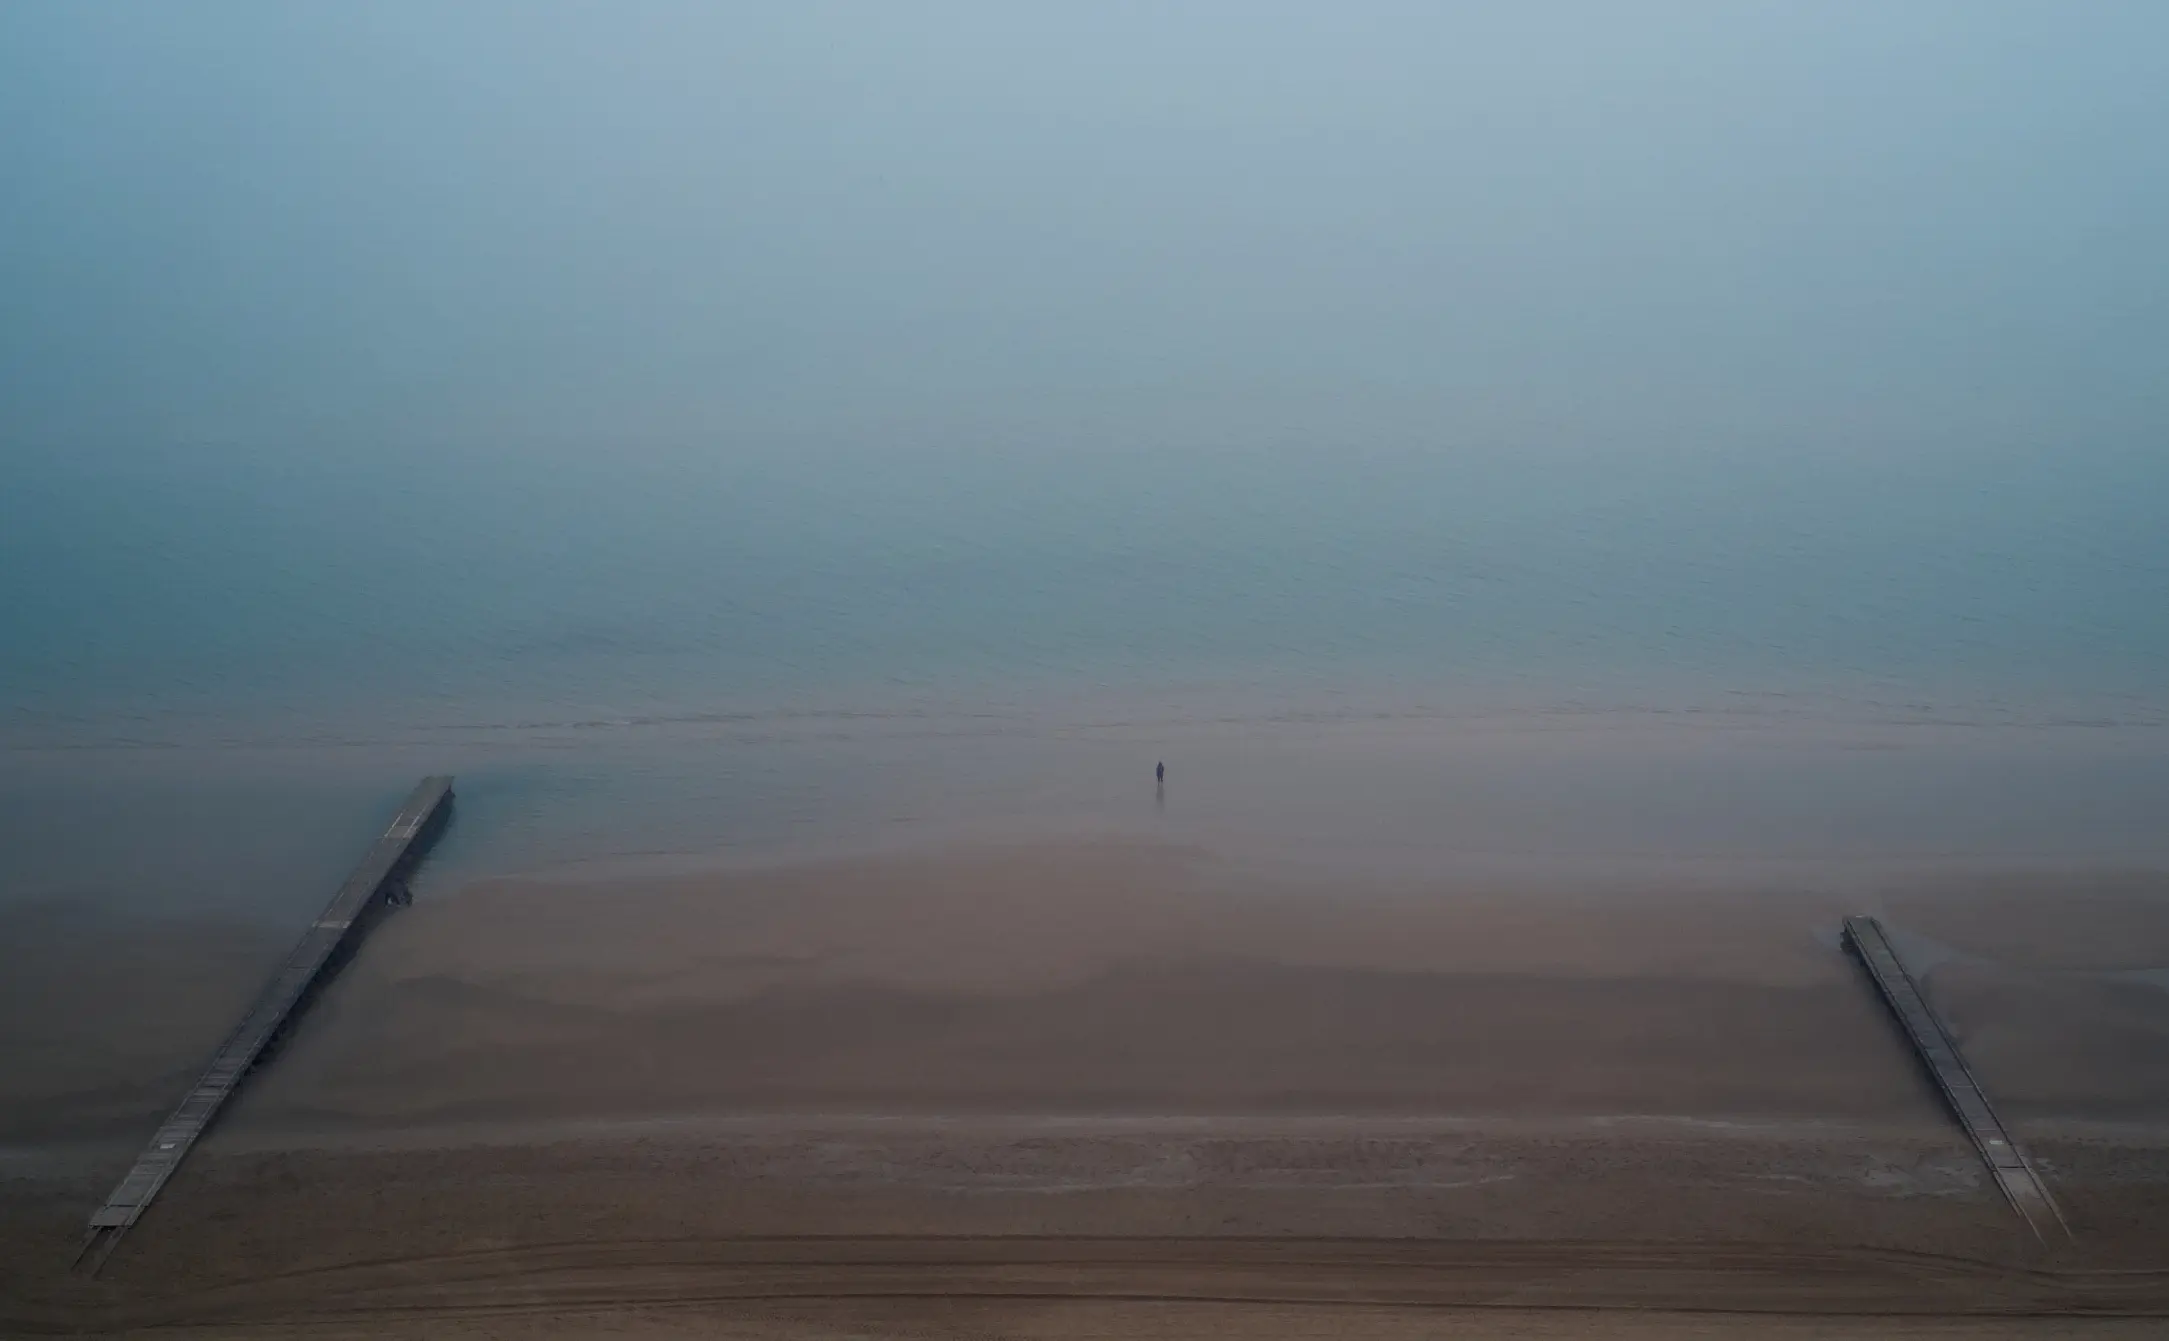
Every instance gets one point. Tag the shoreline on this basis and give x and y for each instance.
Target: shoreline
(1125, 956)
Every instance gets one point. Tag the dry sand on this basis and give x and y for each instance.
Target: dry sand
(1093, 1088)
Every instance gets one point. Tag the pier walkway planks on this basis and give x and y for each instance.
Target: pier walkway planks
(2013, 1173)
(380, 874)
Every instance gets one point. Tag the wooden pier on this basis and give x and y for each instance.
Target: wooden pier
(2014, 1174)
(379, 880)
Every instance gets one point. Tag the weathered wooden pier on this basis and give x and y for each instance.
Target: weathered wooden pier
(2014, 1173)
(378, 881)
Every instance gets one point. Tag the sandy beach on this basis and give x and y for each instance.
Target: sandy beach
(1124, 1075)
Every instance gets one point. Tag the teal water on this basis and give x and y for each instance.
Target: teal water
(183, 597)
(1446, 657)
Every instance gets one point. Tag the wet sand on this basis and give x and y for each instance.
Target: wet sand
(1098, 1072)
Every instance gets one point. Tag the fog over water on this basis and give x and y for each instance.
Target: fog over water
(1619, 431)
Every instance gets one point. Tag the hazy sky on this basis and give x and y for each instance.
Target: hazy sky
(733, 343)
(1819, 226)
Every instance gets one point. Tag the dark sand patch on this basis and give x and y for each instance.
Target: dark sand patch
(563, 1098)
(105, 1018)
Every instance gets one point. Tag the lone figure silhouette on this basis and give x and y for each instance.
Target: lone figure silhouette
(1159, 772)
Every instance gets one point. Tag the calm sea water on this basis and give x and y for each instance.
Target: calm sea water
(222, 665)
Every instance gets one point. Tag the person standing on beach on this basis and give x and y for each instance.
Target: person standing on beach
(1159, 773)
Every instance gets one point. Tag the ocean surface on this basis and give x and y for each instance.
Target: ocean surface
(1793, 661)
